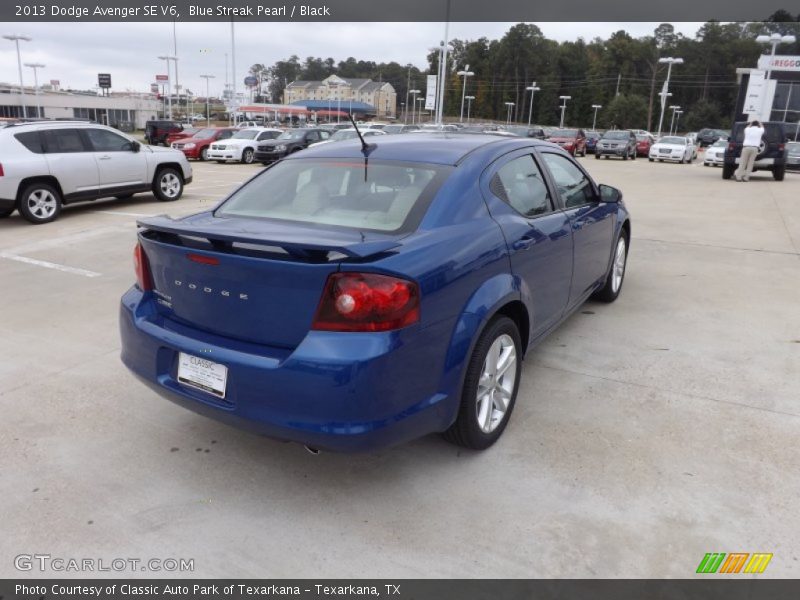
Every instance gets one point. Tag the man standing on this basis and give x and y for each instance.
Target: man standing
(752, 141)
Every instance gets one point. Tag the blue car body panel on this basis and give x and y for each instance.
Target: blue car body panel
(360, 391)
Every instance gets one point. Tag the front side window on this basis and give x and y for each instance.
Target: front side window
(381, 196)
(103, 140)
(523, 187)
(574, 186)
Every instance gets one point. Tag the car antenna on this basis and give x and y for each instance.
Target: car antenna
(365, 147)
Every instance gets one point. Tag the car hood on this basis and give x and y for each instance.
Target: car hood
(162, 150)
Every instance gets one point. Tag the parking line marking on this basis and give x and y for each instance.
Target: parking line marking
(124, 214)
(49, 265)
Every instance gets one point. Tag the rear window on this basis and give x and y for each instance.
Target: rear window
(383, 196)
(31, 140)
(773, 132)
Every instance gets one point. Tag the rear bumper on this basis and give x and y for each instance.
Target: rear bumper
(340, 392)
(268, 156)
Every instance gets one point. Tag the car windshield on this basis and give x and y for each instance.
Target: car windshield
(719, 144)
(393, 128)
(616, 135)
(794, 148)
(205, 134)
(343, 134)
(563, 133)
(383, 196)
(245, 134)
(673, 140)
(292, 135)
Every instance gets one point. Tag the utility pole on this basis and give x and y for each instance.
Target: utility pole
(408, 90)
(619, 78)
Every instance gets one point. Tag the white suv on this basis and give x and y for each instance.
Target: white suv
(44, 165)
(241, 146)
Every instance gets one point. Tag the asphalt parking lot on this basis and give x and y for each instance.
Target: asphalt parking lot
(647, 432)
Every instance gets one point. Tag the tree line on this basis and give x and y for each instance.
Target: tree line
(621, 73)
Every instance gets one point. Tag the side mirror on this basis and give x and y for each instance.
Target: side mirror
(609, 194)
(135, 146)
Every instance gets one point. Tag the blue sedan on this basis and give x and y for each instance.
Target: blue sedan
(354, 297)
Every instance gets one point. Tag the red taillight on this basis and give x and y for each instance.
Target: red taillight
(1, 170)
(142, 267)
(367, 302)
(780, 149)
(731, 147)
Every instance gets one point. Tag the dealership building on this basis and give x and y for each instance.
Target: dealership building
(129, 111)
(771, 91)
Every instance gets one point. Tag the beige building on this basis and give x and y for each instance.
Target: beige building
(335, 89)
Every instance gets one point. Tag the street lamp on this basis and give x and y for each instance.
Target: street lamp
(469, 105)
(664, 92)
(596, 107)
(773, 40)
(678, 114)
(510, 105)
(413, 103)
(169, 80)
(673, 108)
(16, 38)
(421, 101)
(208, 109)
(563, 108)
(533, 88)
(465, 73)
(35, 66)
(442, 50)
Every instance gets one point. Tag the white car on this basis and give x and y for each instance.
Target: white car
(242, 145)
(715, 154)
(673, 147)
(350, 134)
(47, 164)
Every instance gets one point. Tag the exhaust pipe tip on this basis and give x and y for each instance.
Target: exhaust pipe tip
(311, 450)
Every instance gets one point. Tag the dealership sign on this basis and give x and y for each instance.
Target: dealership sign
(430, 93)
(779, 63)
(162, 78)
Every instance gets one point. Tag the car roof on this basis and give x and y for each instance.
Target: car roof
(64, 123)
(446, 148)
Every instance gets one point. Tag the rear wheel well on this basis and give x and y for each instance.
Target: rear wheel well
(48, 179)
(517, 312)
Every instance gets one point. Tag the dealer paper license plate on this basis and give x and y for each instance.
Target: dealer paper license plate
(203, 374)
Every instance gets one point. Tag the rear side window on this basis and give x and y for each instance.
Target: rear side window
(31, 140)
(63, 140)
(520, 183)
(383, 196)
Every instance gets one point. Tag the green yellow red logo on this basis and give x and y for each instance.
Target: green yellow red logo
(735, 562)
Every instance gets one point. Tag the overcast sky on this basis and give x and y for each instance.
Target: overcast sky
(74, 53)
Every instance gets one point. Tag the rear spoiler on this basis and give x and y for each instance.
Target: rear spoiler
(296, 247)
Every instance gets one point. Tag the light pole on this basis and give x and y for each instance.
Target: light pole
(465, 73)
(773, 40)
(596, 107)
(664, 92)
(169, 80)
(509, 105)
(413, 103)
(419, 109)
(402, 110)
(673, 108)
(469, 105)
(533, 88)
(35, 66)
(208, 109)
(563, 108)
(678, 114)
(16, 38)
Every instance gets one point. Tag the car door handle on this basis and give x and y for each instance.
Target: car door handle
(105, 157)
(523, 243)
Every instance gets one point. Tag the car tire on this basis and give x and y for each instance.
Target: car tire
(167, 184)
(597, 156)
(39, 203)
(778, 173)
(481, 419)
(204, 154)
(616, 273)
(727, 171)
(248, 156)
(221, 162)
(7, 212)
(633, 155)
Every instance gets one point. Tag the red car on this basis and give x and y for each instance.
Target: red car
(197, 146)
(643, 143)
(571, 140)
(179, 135)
